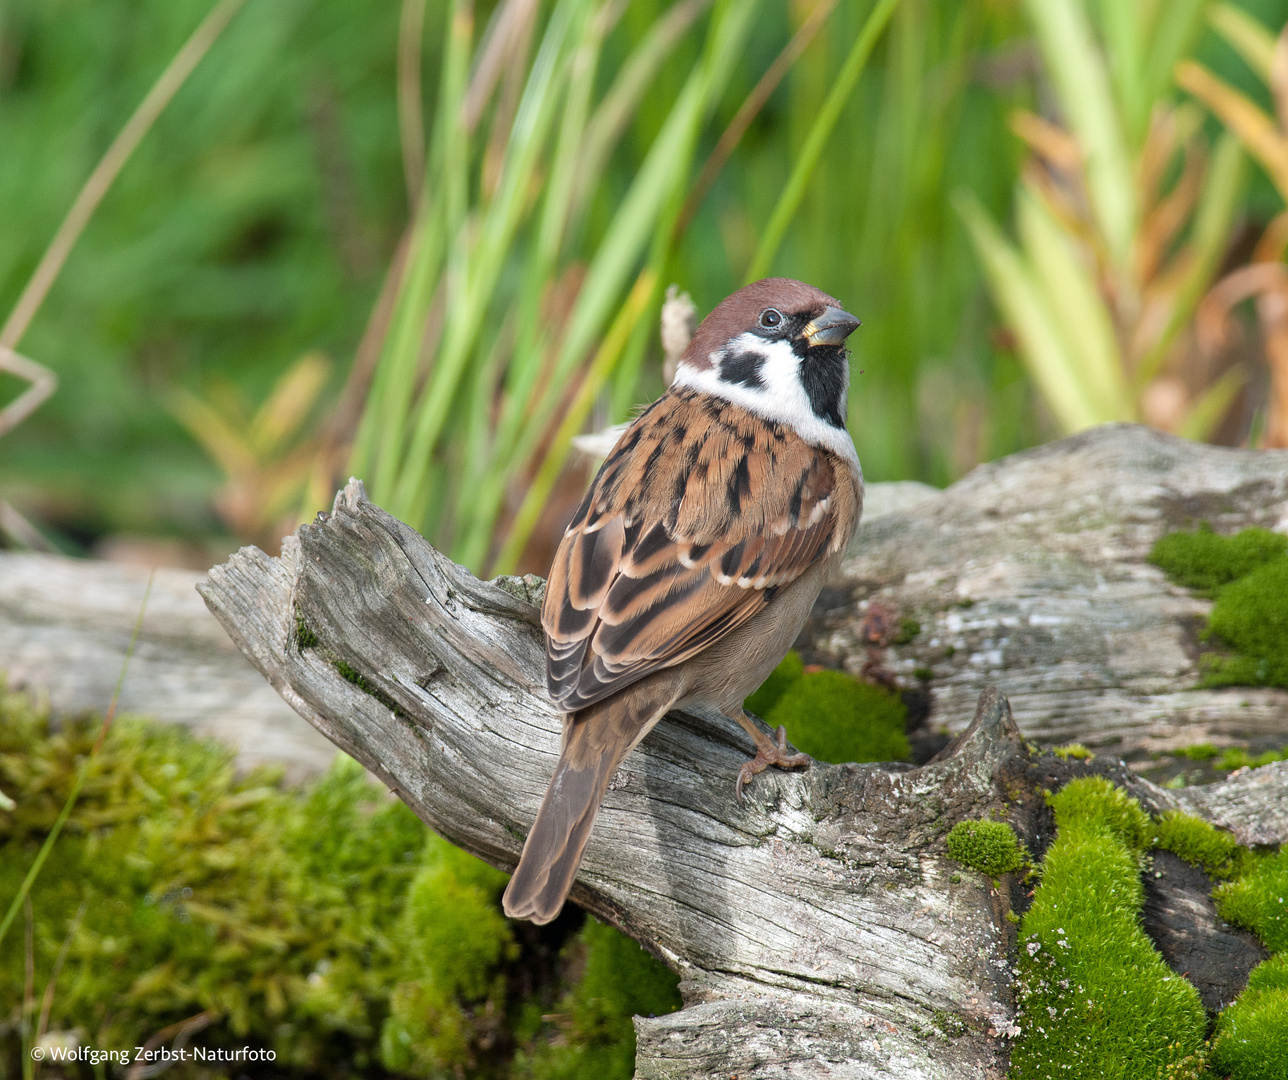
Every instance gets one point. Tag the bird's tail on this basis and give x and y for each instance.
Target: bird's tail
(595, 741)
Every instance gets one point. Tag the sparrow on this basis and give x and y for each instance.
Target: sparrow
(691, 565)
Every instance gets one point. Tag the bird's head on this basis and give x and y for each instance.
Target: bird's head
(777, 348)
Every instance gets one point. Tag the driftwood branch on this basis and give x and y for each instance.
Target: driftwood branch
(818, 929)
(65, 625)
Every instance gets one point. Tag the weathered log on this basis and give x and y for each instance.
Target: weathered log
(65, 625)
(819, 929)
(1032, 573)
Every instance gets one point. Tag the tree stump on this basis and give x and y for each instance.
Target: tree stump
(819, 929)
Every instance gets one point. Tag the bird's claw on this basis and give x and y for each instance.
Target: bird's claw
(769, 753)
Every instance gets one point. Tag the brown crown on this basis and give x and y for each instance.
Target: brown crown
(740, 312)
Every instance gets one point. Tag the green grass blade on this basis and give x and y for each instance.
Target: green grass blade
(1214, 218)
(633, 80)
(379, 445)
(1022, 305)
(470, 306)
(1176, 29)
(1246, 36)
(596, 375)
(815, 142)
(1124, 38)
(1078, 311)
(1078, 74)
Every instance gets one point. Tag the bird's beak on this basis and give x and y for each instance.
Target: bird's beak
(830, 328)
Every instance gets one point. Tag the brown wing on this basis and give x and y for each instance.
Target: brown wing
(700, 516)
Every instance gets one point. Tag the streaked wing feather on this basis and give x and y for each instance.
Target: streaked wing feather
(693, 524)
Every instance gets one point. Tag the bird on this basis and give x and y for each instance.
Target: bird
(694, 559)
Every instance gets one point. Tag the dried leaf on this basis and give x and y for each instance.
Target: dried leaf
(1047, 140)
(1254, 128)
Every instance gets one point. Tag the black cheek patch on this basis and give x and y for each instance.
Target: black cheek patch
(743, 369)
(823, 376)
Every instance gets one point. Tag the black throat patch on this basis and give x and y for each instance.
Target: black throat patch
(823, 373)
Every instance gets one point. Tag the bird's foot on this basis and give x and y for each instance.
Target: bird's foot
(769, 752)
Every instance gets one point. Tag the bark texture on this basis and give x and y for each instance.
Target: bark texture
(819, 929)
(1032, 573)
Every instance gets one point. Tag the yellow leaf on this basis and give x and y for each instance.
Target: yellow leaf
(221, 441)
(289, 404)
(1254, 128)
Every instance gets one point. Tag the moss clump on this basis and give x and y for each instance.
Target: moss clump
(619, 980)
(1258, 899)
(908, 629)
(1251, 616)
(1092, 804)
(991, 847)
(1204, 561)
(1248, 575)
(1197, 842)
(1073, 750)
(1236, 757)
(1251, 1039)
(305, 638)
(325, 923)
(1199, 752)
(1095, 998)
(831, 716)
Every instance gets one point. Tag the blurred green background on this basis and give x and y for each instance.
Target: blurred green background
(428, 242)
(259, 217)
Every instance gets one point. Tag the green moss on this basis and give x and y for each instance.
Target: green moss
(305, 638)
(325, 922)
(831, 716)
(1073, 750)
(1258, 899)
(1251, 617)
(1238, 758)
(1199, 751)
(1093, 804)
(596, 1035)
(991, 847)
(1204, 561)
(1251, 1038)
(1095, 998)
(1197, 842)
(1248, 575)
(908, 629)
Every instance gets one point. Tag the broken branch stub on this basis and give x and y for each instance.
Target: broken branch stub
(822, 922)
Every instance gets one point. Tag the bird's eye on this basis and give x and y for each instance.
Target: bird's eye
(770, 317)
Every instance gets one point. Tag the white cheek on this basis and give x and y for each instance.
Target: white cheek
(781, 396)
